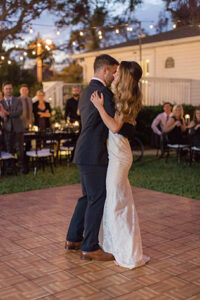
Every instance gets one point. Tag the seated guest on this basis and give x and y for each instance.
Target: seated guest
(194, 128)
(41, 111)
(72, 106)
(175, 126)
(159, 123)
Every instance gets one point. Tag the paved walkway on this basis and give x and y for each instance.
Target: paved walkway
(34, 265)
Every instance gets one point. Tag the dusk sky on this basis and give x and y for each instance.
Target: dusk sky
(148, 11)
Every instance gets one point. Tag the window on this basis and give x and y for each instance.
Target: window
(169, 63)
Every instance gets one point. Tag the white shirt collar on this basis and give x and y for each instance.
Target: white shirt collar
(96, 78)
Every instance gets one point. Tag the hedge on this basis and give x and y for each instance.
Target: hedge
(145, 119)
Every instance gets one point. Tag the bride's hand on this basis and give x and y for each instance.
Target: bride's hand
(96, 100)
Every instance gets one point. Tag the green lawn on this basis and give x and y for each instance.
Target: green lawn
(150, 173)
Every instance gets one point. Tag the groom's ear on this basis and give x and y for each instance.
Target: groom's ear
(104, 69)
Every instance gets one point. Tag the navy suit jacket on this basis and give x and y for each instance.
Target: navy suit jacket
(91, 148)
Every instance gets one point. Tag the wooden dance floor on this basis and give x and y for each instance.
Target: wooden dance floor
(34, 264)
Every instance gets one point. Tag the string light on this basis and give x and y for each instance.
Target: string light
(117, 31)
(81, 33)
(174, 26)
(21, 58)
(129, 28)
(48, 48)
(2, 57)
(58, 32)
(9, 62)
(31, 30)
(25, 53)
(48, 42)
(151, 26)
(33, 52)
(38, 44)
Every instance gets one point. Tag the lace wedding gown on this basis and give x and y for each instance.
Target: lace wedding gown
(120, 231)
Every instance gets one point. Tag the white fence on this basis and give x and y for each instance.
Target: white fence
(155, 91)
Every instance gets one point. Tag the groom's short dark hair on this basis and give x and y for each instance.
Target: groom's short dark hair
(104, 60)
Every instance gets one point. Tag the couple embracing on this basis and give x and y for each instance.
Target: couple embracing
(104, 224)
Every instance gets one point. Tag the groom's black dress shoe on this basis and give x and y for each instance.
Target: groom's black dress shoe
(72, 245)
(97, 255)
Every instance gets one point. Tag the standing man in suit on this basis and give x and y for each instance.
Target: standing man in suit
(27, 118)
(72, 105)
(92, 159)
(27, 106)
(13, 124)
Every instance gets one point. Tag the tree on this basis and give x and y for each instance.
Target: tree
(71, 74)
(93, 22)
(15, 16)
(16, 75)
(184, 12)
(162, 22)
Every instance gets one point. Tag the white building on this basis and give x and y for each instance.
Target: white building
(170, 62)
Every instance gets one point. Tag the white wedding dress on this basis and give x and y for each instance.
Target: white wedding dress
(120, 231)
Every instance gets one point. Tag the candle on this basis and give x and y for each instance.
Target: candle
(56, 125)
(35, 128)
(187, 119)
(76, 123)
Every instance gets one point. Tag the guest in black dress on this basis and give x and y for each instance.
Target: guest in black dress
(194, 129)
(41, 111)
(175, 127)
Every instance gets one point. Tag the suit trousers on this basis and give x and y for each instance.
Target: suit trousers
(86, 220)
(14, 142)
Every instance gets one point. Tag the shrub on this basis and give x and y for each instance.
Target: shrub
(145, 119)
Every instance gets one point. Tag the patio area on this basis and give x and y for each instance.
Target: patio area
(34, 264)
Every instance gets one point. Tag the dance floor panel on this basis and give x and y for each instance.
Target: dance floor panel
(34, 264)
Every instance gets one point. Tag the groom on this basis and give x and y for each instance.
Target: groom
(92, 158)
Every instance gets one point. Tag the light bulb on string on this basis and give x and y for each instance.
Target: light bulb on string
(48, 42)
(117, 31)
(9, 62)
(174, 25)
(21, 58)
(33, 52)
(48, 48)
(25, 53)
(99, 32)
(2, 57)
(31, 30)
(74, 43)
(58, 32)
(151, 26)
(129, 28)
(81, 33)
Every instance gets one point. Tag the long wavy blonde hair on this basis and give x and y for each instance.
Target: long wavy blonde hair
(175, 108)
(128, 97)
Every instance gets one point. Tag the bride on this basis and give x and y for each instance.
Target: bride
(120, 231)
